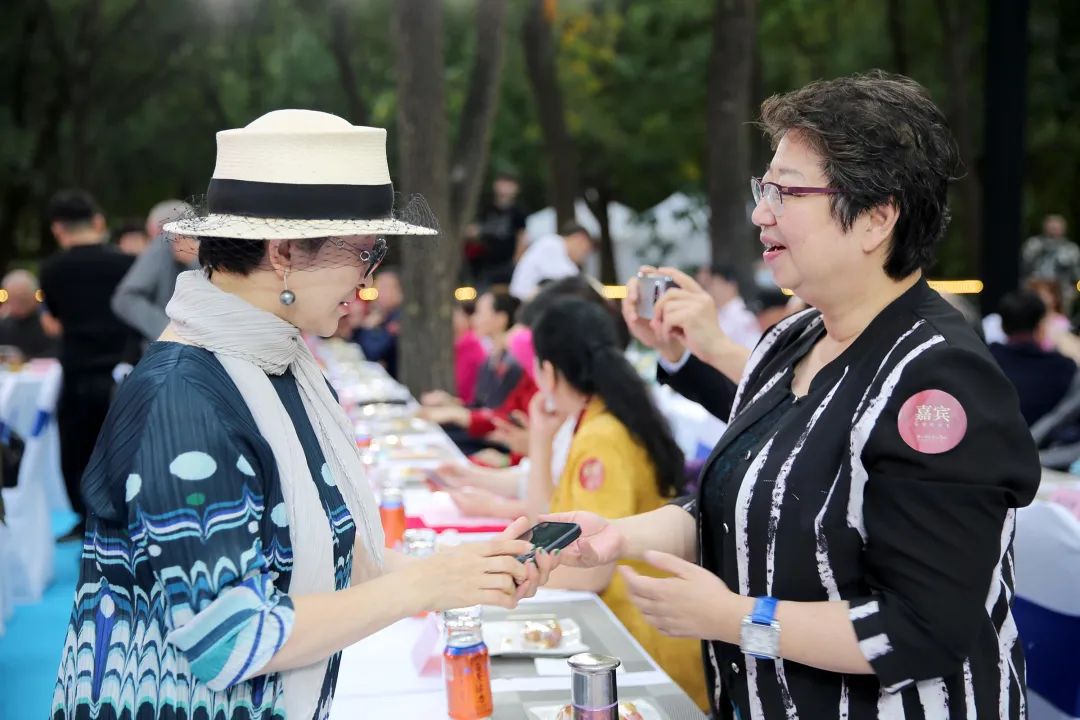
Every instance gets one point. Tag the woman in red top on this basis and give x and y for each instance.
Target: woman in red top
(502, 387)
(469, 352)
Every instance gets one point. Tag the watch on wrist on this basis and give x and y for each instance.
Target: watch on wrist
(760, 634)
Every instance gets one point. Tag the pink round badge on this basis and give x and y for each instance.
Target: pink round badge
(932, 422)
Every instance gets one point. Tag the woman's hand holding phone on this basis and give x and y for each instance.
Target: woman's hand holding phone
(482, 573)
(600, 542)
(538, 569)
(486, 573)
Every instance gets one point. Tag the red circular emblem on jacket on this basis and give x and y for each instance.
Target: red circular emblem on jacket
(591, 474)
(932, 422)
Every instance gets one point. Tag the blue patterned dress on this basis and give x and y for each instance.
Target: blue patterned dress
(184, 580)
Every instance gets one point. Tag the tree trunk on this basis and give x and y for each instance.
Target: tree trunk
(968, 189)
(894, 20)
(429, 265)
(478, 114)
(728, 144)
(1006, 113)
(342, 47)
(598, 197)
(563, 173)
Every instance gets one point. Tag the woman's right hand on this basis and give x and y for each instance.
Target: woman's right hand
(437, 398)
(641, 328)
(688, 315)
(454, 474)
(486, 573)
(600, 542)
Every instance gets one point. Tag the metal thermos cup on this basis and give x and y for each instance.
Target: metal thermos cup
(593, 693)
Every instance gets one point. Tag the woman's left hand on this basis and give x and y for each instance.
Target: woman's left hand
(478, 502)
(445, 415)
(539, 569)
(690, 603)
(543, 423)
(513, 433)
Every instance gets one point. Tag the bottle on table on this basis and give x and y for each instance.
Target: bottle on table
(419, 543)
(594, 694)
(467, 666)
(392, 514)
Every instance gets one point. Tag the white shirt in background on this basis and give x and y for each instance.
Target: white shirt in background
(545, 259)
(739, 324)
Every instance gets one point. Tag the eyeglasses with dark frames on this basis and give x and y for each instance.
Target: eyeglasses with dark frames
(774, 193)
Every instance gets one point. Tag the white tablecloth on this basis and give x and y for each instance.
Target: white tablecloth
(1047, 607)
(378, 680)
(27, 406)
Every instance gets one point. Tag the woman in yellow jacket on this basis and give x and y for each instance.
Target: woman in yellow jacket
(623, 459)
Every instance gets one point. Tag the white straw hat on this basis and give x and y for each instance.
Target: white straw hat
(303, 174)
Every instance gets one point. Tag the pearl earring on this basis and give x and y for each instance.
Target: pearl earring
(287, 296)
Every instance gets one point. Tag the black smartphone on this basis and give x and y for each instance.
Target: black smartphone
(551, 536)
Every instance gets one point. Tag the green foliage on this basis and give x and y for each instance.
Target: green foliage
(124, 96)
(634, 80)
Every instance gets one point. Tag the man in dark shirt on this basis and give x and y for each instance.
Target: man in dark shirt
(20, 318)
(1041, 377)
(78, 284)
(501, 234)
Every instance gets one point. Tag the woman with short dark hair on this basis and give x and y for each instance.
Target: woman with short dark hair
(849, 551)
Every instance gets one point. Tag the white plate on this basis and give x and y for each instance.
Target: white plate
(551, 712)
(505, 638)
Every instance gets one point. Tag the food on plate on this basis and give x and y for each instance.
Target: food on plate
(545, 634)
(627, 711)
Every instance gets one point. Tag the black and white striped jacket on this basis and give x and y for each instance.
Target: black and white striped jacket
(832, 503)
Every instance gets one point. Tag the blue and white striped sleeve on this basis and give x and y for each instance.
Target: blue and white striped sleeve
(195, 497)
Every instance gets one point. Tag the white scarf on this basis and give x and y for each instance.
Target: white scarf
(250, 344)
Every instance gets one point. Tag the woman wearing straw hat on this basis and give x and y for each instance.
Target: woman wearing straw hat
(234, 547)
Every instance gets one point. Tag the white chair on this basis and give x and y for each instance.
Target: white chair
(1047, 608)
(27, 404)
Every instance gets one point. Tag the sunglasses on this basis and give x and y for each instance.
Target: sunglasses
(370, 258)
(373, 258)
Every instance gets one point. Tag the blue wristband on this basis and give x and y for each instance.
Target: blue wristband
(764, 611)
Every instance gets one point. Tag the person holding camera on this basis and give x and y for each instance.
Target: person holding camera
(849, 551)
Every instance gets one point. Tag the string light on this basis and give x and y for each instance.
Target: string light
(614, 292)
(957, 287)
(618, 292)
(465, 294)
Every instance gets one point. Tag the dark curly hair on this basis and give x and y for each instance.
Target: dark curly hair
(882, 140)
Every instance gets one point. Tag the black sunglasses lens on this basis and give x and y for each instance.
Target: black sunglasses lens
(374, 256)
